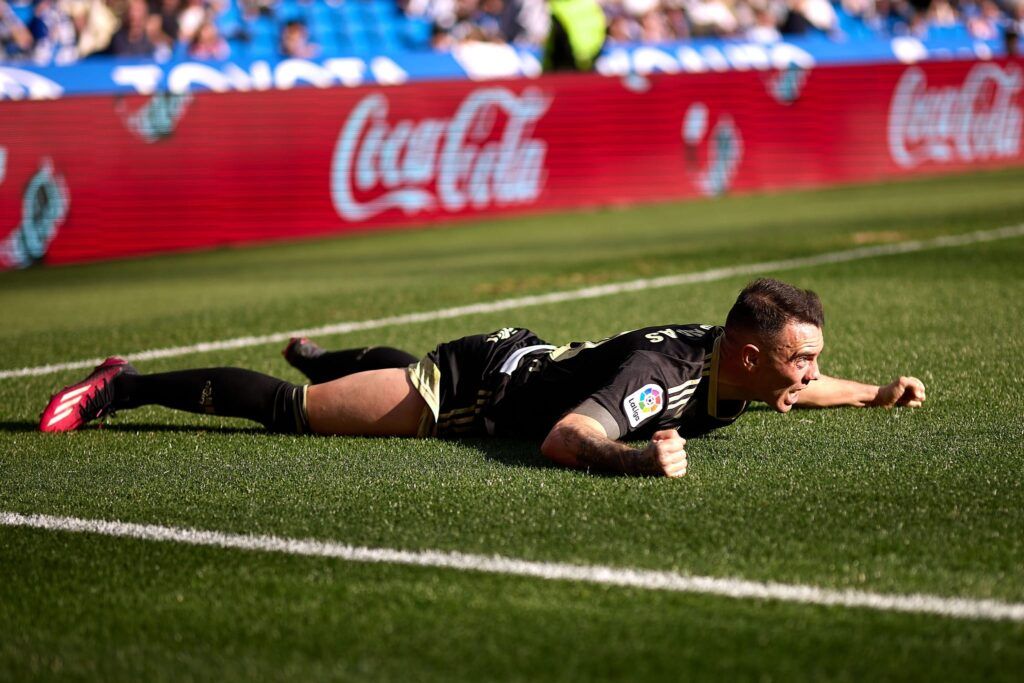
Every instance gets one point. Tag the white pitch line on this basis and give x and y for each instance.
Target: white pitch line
(542, 299)
(958, 608)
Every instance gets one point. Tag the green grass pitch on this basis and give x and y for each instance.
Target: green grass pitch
(904, 501)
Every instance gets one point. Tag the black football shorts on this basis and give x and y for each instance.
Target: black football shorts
(458, 378)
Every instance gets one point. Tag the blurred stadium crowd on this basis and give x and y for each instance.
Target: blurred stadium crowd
(65, 31)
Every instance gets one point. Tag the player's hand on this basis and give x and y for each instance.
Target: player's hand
(668, 452)
(903, 391)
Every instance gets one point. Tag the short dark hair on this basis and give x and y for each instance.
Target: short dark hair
(767, 305)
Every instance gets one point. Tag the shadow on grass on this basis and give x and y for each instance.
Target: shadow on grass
(19, 426)
(510, 452)
(180, 429)
(22, 426)
(515, 453)
(521, 453)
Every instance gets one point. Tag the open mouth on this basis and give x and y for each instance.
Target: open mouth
(792, 397)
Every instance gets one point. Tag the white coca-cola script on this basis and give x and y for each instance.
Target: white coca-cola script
(483, 156)
(976, 121)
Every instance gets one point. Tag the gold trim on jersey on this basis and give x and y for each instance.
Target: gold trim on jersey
(713, 374)
(426, 379)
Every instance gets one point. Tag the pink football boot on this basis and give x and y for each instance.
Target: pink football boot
(300, 349)
(73, 406)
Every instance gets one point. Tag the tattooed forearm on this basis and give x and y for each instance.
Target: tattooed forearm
(598, 452)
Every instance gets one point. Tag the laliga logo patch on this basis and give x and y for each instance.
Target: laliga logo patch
(643, 403)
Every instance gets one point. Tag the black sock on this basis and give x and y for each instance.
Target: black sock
(231, 392)
(334, 364)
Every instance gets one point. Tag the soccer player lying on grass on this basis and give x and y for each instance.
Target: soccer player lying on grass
(658, 384)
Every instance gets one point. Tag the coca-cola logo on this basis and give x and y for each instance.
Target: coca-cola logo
(483, 156)
(975, 121)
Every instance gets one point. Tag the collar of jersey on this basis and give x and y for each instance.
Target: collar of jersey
(713, 386)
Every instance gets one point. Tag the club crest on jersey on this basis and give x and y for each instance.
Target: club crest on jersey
(643, 403)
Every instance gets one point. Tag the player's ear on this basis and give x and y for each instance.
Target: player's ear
(750, 355)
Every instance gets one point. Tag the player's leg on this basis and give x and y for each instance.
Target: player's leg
(373, 403)
(379, 402)
(321, 365)
(230, 392)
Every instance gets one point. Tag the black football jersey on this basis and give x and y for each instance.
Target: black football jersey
(634, 384)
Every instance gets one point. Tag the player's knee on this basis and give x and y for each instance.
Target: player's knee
(289, 414)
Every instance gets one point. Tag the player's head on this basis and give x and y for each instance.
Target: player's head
(774, 332)
(765, 306)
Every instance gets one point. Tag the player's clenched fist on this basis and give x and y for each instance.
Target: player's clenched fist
(668, 452)
(902, 391)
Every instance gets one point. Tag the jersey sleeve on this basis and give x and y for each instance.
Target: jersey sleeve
(636, 397)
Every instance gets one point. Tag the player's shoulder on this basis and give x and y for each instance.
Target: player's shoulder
(685, 341)
(666, 367)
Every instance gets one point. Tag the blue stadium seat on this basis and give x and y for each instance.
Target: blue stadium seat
(323, 33)
(330, 45)
(322, 23)
(344, 46)
(359, 39)
(262, 28)
(380, 8)
(366, 9)
(344, 27)
(355, 22)
(267, 51)
(387, 43)
(239, 48)
(291, 10)
(230, 24)
(321, 11)
(388, 35)
(264, 38)
(416, 33)
(389, 25)
(351, 12)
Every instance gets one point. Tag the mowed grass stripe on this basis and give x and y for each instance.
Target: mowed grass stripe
(959, 608)
(711, 275)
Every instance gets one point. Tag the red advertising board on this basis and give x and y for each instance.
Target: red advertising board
(99, 177)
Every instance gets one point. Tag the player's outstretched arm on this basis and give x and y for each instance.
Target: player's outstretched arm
(581, 442)
(830, 392)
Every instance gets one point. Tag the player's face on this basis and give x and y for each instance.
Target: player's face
(790, 365)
